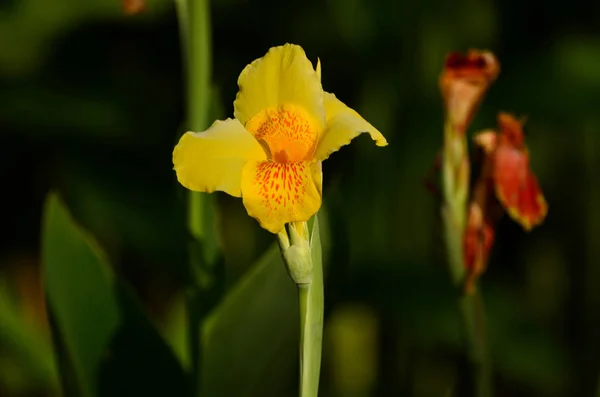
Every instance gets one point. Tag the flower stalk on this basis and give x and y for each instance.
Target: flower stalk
(472, 313)
(302, 258)
(194, 28)
(470, 305)
(463, 83)
(198, 71)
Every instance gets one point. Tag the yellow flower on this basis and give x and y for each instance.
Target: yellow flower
(270, 154)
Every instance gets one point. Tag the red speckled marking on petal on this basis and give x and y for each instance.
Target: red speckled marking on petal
(287, 131)
(278, 193)
(281, 186)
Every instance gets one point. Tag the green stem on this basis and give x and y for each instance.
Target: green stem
(473, 321)
(311, 337)
(198, 103)
(454, 212)
(194, 28)
(199, 64)
(310, 301)
(455, 187)
(303, 309)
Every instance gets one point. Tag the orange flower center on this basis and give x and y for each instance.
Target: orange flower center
(287, 132)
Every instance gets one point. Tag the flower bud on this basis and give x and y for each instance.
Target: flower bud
(295, 248)
(463, 83)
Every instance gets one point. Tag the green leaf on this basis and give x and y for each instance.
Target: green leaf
(25, 350)
(34, 24)
(250, 340)
(140, 362)
(312, 340)
(79, 284)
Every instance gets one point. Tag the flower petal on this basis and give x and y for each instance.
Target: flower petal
(477, 244)
(318, 69)
(288, 133)
(517, 188)
(487, 140)
(279, 193)
(283, 76)
(464, 82)
(213, 159)
(343, 125)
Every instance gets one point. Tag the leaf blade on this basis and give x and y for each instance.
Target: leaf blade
(79, 285)
(250, 340)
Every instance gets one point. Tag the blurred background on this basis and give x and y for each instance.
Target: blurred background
(92, 104)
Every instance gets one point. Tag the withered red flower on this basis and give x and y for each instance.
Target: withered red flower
(477, 244)
(463, 83)
(515, 185)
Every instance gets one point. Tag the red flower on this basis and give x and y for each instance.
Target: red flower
(515, 185)
(463, 83)
(478, 241)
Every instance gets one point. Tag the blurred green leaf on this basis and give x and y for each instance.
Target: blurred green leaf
(251, 338)
(23, 347)
(140, 363)
(79, 285)
(522, 352)
(27, 29)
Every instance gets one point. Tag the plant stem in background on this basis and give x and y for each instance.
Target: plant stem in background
(463, 83)
(194, 26)
(473, 322)
(456, 185)
(455, 175)
(198, 95)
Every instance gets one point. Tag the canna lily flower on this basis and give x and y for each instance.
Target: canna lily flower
(270, 154)
(464, 82)
(515, 185)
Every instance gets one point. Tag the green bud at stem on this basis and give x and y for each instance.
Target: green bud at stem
(294, 242)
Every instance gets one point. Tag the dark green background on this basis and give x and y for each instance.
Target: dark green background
(91, 104)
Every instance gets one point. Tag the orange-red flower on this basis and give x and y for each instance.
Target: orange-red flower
(463, 83)
(515, 185)
(477, 244)
(505, 176)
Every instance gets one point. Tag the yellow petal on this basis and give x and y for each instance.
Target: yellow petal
(318, 69)
(343, 125)
(279, 193)
(283, 76)
(213, 159)
(317, 174)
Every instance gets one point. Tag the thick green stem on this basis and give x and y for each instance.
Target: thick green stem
(454, 214)
(303, 309)
(198, 94)
(311, 336)
(194, 27)
(302, 257)
(455, 170)
(473, 322)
